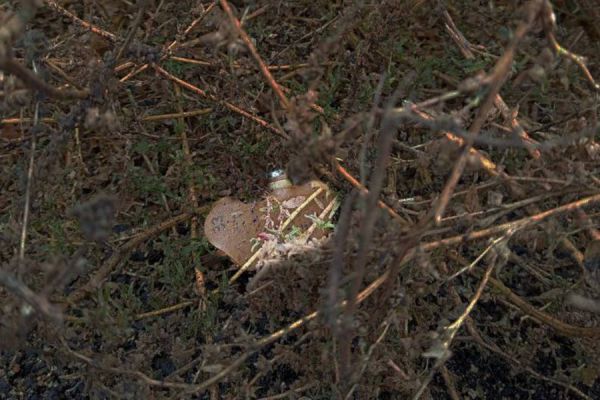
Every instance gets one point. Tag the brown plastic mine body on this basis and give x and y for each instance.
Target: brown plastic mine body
(237, 228)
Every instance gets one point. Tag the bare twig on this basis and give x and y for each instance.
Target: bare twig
(227, 104)
(559, 326)
(98, 31)
(549, 27)
(285, 103)
(290, 394)
(167, 48)
(389, 126)
(180, 114)
(28, 185)
(495, 79)
(16, 121)
(449, 383)
(365, 361)
(441, 350)
(465, 48)
(354, 182)
(39, 303)
(518, 224)
(472, 329)
(165, 310)
(142, 5)
(32, 81)
(110, 264)
(528, 143)
(337, 262)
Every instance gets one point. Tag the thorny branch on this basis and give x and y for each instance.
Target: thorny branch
(388, 128)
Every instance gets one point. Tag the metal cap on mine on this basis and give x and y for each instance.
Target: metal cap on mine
(278, 179)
